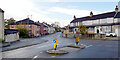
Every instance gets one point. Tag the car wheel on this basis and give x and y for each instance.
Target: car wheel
(111, 35)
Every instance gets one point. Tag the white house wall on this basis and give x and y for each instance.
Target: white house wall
(102, 21)
(1, 25)
(110, 20)
(95, 21)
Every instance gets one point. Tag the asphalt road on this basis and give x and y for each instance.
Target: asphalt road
(93, 49)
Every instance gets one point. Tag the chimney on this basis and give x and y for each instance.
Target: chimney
(116, 9)
(91, 14)
(74, 17)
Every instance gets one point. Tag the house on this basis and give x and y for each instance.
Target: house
(7, 34)
(32, 27)
(1, 24)
(50, 29)
(100, 23)
(43, 28)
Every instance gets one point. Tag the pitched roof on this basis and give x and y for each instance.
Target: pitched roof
(99, 16)
(10, 31)
(43, 25)
(25, 21)
(1, 10)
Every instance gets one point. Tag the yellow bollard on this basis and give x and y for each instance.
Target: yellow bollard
(77, 40)
(55, 43)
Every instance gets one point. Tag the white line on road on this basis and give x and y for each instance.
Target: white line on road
(35, 57)
(89, 46)
(43, 46)
(40, 52)
(53, 56)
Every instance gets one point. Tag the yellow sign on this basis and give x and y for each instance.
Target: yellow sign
(55, 43)
(77, 39)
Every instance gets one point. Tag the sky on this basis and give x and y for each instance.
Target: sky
(51, 11)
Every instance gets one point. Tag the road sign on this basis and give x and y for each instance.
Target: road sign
(55, 43)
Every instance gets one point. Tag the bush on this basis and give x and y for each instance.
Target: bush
(1, 40)
(82, 33)
(23, 33)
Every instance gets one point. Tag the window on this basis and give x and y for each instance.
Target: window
(38, 26)
(12, 26)
(30, 26)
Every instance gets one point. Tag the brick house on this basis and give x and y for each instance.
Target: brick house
(30, 25)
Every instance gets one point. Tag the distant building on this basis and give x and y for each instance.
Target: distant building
(30, 25)
(43, 28)
(101, 23)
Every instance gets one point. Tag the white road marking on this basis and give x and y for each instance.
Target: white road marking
(35, 57)
(53, 56)
(40, 52)
(42, 46)
(89, 46)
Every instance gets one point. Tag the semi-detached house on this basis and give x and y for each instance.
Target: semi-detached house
(100, 23)
(32, 27)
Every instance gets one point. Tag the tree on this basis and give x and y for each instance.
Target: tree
(9, 21)
(82, 29)
(23, 32)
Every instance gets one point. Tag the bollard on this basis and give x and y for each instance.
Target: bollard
(77, 40)
(55, 43)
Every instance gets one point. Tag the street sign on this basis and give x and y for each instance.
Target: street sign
(55, 43)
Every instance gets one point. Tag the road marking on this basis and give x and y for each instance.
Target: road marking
(42, 46)
(40, 52)
(35, 57)
(89, 46)
(53, 56)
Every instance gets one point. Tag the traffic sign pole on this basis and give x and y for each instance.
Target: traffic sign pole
(55, 43)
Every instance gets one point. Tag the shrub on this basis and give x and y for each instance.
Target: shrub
(23, 33)
(1, 40)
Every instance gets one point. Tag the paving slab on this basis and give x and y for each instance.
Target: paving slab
(23, 43)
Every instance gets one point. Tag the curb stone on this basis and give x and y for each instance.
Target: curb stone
(56, 52)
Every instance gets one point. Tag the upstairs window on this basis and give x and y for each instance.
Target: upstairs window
(38, 26)
(12, 26)
(30, 26)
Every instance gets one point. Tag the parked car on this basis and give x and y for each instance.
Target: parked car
(109, 34)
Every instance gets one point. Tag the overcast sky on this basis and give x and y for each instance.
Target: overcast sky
(51, 11)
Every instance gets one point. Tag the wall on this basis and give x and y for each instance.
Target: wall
(117, 30)
(12, 37)
(1, 25)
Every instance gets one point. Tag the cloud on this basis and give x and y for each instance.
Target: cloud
(72, 11)
(19, 9)
(77, 0)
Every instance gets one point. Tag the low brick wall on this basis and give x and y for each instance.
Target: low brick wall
(68, 35)
(91, 36)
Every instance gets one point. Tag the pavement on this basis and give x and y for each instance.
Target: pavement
(93, 49)
(24, 43)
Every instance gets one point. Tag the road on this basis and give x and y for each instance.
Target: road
(93, 49)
